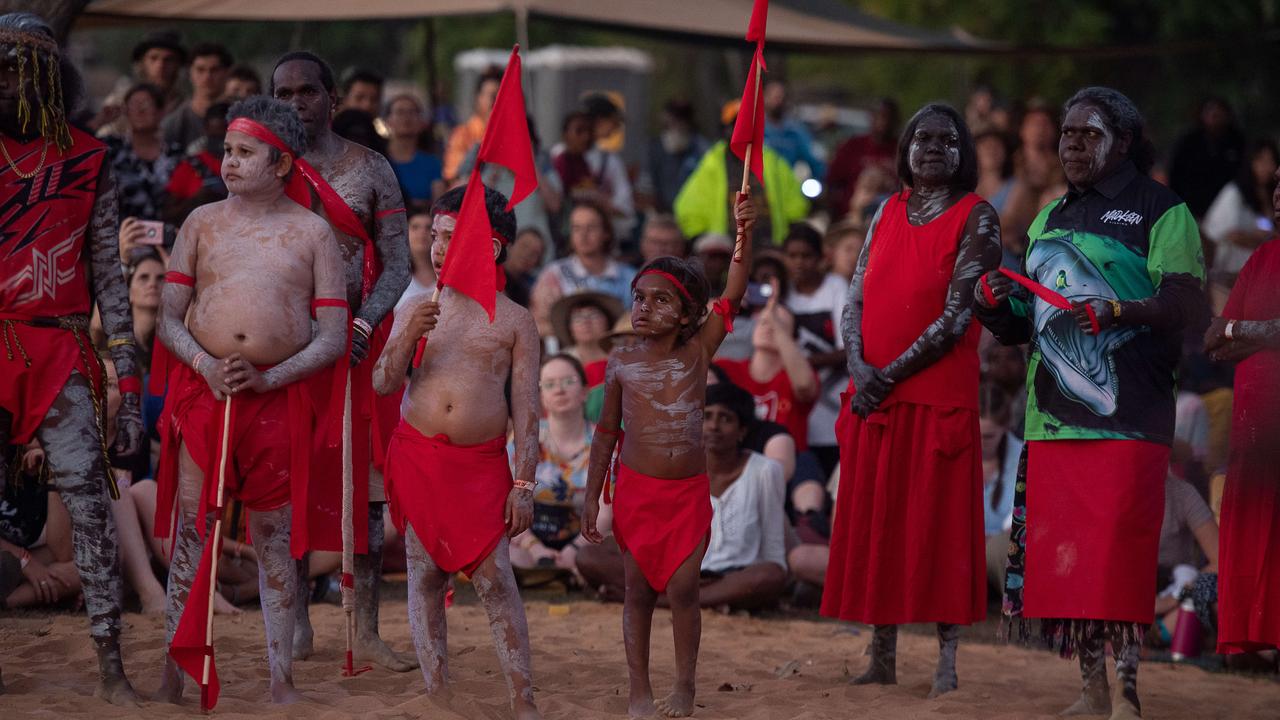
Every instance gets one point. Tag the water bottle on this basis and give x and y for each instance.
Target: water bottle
(1186, 633)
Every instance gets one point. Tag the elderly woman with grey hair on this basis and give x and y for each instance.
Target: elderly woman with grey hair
(1115, 272)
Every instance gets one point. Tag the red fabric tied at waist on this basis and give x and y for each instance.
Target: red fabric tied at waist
(660, 522)
(299, 186)
(1053, 298)
(454, 496)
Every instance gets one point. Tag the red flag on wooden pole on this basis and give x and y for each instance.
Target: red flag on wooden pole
(748, 129)
(506, 137)
(759, 18)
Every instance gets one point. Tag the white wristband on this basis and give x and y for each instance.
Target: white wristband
(1229, 331)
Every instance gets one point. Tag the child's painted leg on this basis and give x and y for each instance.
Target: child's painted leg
(944, 678)
(277, 590)
(884, 661)
(495, 583)
(368, 579)
(1125, 704)
(637, 622)
(686, 625)
(427, 587)
(303, 635)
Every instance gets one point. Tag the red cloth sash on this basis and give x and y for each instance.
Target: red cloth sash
(1053, 298)
(908, 276)
(1094, 509)
(660, 522)
(454, 496)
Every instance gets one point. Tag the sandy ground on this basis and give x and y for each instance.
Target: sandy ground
(753, 669)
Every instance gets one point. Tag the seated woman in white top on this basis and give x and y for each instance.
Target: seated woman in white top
(745, 566)
(1239, 220)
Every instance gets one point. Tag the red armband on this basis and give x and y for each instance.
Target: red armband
(329, 302)
(179, 278)
(130, 384)
(724, 309)
(383, 213)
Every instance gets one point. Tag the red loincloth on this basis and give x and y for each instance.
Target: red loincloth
(269, 450)
(373, 419)
(28, 391)
(660, 522)
(1094, 510)
(1249, 550)
(454, 496)
(907, 542)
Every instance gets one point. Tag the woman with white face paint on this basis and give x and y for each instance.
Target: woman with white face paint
(908, 424)
(1123, 250)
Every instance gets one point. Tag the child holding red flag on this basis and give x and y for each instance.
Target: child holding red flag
(662, 516)
(448, 480)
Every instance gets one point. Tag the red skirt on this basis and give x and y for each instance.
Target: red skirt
(1249, 550)
(28, 391)
(1094, 511)
(660, 522)
(908, 540)
(454, 496)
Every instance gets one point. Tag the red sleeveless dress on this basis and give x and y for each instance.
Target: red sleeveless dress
(908, 543)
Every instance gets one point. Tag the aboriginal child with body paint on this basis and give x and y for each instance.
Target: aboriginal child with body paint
(662, 511)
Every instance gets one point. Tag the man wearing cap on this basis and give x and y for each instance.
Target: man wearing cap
(705, 202)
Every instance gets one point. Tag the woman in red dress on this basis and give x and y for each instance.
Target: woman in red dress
(1249, 576)
(908, 542)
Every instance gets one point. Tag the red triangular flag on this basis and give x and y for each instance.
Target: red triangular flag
(759, 17)
(749, 127)
(468, 263)
(189, 646)
(506, 137)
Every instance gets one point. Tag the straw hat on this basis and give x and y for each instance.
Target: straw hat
(621, 331)
(560, 311)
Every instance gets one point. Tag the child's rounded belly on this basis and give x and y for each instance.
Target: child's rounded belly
(466, 413)
(259, 338)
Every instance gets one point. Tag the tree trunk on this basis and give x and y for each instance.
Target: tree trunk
(60, 14)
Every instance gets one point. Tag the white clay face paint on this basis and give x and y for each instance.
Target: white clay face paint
(1103, 149)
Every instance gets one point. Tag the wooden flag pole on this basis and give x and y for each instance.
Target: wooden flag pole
(745, 190)
(348, 531)
(422, 341)
(216, 540)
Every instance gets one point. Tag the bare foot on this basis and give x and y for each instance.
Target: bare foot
(285, 694)
(1090, 703)
(678, 704)
(118, 691)
(642, 707)
(223, 606)
(171, 681)
(528, 712)
(303, 639)
(943, 686)
(374, 649)
(1125, 711)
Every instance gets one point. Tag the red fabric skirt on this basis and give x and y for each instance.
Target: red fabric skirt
(373, 418)
(454, 496)
(28, 392)
(660, 522)
(1094, 511)
(268, 451)
(1249, 550)
(907, 543)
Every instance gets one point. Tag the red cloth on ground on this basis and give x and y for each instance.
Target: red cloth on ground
(595, 372)
(269, 450)
(659, 521)
(1248, 561)
(454, 496)
(1094, 510)
(909, 271)
(907, 542)
(27, 393)
(775, 399)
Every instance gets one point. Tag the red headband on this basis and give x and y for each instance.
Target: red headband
(664, 274)
(501, 238)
